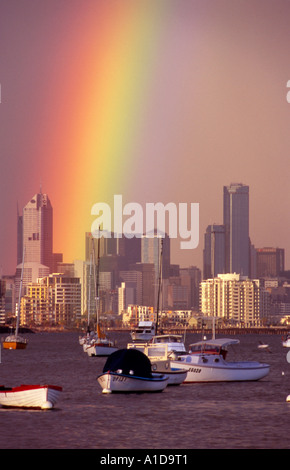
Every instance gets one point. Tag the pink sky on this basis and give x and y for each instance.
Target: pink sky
(211, 76)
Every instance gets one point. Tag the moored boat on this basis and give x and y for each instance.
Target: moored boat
(206, 362)
(99, 345)
(160, 363)
(30, 396)
(175, 343)
(286, 342)
(144, 332)
(129, 370)
(96, 343)
(15, 341)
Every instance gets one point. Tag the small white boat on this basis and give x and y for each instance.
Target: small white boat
(129, 370)
(100, 348)
(15, 341)
(144, 332)
(99, 345)
(206, 363)
(288, 398)
(30, 396)
(158, 356)
(263, 346)
(286, 342)
(175, 343)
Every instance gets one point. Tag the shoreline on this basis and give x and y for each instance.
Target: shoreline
(273, 330)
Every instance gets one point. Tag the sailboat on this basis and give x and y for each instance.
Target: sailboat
(15, 341)
(98, 344)
(175, 343)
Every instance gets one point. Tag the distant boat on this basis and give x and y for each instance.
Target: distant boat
(15, 341)
(129, 370)
(286, 342)
(206, 362)
(42, 397)
(97, 343)
(263, 346)
(174, 342)
(144, 332)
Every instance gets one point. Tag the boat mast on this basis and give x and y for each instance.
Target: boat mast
(90, 282)
(159, 285)
(97, 276)
(20, 294)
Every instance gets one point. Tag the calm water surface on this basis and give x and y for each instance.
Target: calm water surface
(249, 415)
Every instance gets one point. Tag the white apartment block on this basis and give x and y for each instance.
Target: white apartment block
(234, 297)
(136, 313)
(55, 298)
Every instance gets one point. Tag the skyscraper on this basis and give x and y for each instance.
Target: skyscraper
(236, 223)
(37, 231)
(214, 251)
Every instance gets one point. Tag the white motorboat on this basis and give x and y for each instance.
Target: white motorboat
(175, 343)
(144, 332)
(129, 370)
(158, 356)
(286, 342)
(30, 396)
(206, 362)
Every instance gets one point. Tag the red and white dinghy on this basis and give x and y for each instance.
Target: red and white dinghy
(42, 397)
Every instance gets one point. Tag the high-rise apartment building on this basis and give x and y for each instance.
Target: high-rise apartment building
(235, 297)
(236, 223)
(54, 299)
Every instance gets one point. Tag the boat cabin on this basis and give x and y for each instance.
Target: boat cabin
(214, 346)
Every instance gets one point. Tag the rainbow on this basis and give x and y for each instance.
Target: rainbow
(95, 110)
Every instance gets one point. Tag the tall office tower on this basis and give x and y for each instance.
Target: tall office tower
(36, 231)
(214, 251)
(236, 222)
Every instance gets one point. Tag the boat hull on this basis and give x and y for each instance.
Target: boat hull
(30, 396)
(113, 382)
(99, 349)
(14, 345)
(14, 342)
(216, 369)
(176, 376)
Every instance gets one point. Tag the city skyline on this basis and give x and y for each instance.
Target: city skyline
(159, 102)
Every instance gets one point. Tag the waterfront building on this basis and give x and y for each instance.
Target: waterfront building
(237, 298)
(54, 299)
(136, 313)
(236, 224)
